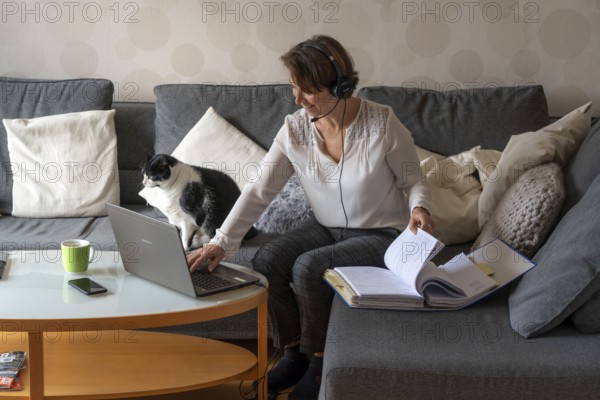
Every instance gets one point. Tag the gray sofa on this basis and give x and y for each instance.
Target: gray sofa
(466, 354)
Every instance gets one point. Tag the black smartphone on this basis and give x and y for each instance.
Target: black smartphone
(87, 286)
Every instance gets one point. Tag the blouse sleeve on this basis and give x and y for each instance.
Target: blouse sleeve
(402, 158)
(254, 199)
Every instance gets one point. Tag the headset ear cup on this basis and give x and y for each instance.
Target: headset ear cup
(344, 89)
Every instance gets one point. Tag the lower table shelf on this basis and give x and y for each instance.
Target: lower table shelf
(121, 364)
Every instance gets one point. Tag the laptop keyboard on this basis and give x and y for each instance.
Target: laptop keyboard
(208, 281)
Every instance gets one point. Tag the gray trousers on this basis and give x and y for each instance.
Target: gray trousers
(299, 299)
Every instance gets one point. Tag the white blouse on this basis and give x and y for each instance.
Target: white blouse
(378, 178)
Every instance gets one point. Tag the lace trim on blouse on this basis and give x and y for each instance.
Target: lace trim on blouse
(370, 121)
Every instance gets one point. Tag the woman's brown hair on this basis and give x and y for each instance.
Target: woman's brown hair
(313, 71)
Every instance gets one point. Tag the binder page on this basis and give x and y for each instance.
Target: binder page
(464, 274)
(374, 281)
(432, 276)
(409, 252)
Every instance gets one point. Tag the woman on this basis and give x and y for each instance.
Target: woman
(359, 169)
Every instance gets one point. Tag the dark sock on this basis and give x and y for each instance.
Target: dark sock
(307, 388)
(288, 370)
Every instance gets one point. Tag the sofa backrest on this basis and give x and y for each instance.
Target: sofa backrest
(445, 122)
(452, 121)
(258, 111)
(134, 125)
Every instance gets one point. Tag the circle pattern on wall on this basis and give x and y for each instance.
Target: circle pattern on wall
(431, 44)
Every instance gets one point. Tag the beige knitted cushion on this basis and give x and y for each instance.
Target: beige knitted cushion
(527, 211)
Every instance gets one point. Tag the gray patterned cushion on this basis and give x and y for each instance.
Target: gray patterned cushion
(527, 211)
(287, 209)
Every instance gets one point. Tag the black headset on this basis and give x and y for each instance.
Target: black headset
(343, 87)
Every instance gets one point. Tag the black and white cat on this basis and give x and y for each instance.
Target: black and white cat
(195, 199)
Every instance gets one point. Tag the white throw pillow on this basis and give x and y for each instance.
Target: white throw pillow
(63, 165)
(215, 143)
(556, 142)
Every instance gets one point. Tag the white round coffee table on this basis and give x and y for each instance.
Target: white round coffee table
(90, 347)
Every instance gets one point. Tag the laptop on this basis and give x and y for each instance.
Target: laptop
(151, 249)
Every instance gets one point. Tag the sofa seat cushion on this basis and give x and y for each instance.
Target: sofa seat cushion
(47, 233)
(30, 98)
(451, 121)
(465, 354)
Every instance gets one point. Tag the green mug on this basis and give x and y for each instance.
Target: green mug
(76, 255)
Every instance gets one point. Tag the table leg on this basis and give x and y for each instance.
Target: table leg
(262, 356)
(35, 352)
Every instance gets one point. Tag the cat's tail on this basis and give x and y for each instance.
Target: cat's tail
(253, 232)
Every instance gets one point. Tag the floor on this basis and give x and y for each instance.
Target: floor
(229, 391)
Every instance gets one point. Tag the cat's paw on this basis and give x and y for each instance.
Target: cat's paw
(200, 240)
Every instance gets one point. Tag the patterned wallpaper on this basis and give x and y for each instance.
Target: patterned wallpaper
(432, 44)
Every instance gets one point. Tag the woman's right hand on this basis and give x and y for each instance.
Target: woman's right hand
(209, 252)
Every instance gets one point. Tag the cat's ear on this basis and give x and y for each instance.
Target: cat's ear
(170, 160)
(149, 155)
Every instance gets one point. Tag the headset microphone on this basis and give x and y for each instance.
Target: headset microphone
(343, 87)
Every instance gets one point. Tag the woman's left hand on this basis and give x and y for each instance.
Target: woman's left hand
(420, 218)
